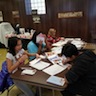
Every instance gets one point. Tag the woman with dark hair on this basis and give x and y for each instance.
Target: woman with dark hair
(37, 47)
(81, 77)
(14, 58)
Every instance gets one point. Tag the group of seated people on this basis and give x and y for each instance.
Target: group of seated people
(81, 76)
(34, 47)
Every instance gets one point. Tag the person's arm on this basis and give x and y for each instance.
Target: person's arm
(31, 54)
(47, 44)
(65, 61)
(58, 39)
(78, 70)
(40, 47)
(66, 82)
(11, 67)
(50, 39)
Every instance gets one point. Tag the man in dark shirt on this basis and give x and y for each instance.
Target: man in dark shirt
(81, 78)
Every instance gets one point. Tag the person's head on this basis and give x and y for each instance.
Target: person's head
(34, 36)
(14, 45)
(52, 32)
(70, 51)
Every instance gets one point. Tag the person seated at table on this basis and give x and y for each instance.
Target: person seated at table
(51, 37)
(81, 77)
(37, 47)
(17, 28)
(15, 57)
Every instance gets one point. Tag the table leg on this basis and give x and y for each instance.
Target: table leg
(40, 91)
(53, 92)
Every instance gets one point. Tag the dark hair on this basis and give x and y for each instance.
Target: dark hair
(34, 37)
(69, 49)
(12, 42)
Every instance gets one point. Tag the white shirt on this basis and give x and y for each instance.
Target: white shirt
(14, 58)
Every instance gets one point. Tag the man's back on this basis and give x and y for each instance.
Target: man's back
(82, 75)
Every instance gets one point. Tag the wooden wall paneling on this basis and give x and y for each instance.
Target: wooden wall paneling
(92, 20)
(67, 27)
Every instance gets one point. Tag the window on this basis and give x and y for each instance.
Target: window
(38, 5)
(28, 7)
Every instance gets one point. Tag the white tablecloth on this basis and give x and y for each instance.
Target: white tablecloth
(5, 28)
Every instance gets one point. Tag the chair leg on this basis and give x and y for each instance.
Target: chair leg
(0, 93)
(9, 90)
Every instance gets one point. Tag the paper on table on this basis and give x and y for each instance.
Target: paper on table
(42, 57)
(40, 65)
(28, 72)
(60, 43)
(78, 43)
(55, 59)
(49, 54)
(54, 69)
(57, 50)
(69, 39)
(35, 61)
(56, 80)
(54, 48)
(23, 68)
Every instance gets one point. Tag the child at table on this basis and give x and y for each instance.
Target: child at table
(14, 58)
(51, 36)
(81, 76)
(37, 47)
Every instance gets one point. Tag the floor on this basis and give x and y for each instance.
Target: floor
(15, 91)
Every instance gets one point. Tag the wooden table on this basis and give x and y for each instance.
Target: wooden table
(39, 79)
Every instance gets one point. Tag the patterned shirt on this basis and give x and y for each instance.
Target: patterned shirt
(52, 40)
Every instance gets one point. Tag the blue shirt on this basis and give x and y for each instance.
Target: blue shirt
(32, 48)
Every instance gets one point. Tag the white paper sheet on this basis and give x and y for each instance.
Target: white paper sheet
(40, 65)
(54, 69)
(28, 72)
(60, 43)
(49, 54)
(78, 43)
(40, 37)
(55, 59)
(56, 80)
(42, 56)
(35, 61)
(57, 50)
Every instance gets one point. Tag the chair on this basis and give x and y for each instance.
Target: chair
(5, 80)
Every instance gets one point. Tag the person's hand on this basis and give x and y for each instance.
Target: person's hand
(37, 56)
(62, 38)
(69, 66)
(23, 58)
(40, 42)
(45, 36)
(64, 61)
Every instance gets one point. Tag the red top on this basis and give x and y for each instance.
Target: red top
(52, 40)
